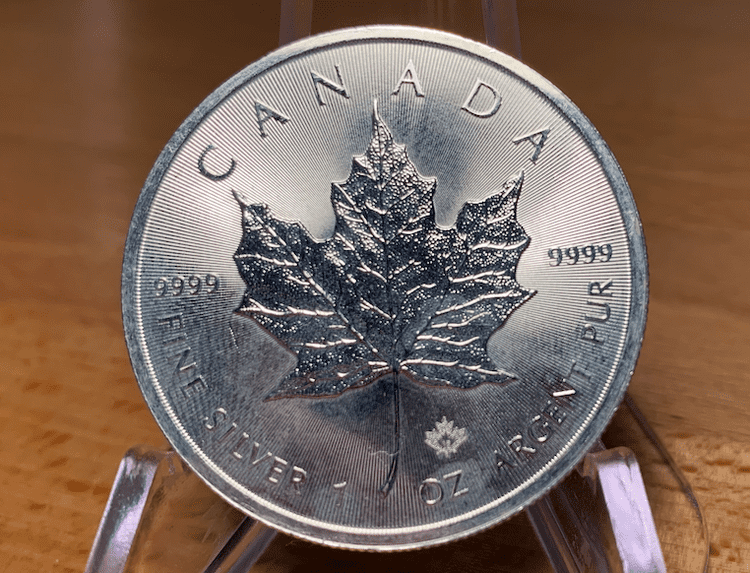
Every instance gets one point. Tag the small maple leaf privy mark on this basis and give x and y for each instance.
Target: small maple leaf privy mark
(446, 438)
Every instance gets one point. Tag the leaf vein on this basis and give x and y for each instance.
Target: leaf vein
(476, 300)
(499, 246)
(447, 340)
(478, 276)
(366, 305)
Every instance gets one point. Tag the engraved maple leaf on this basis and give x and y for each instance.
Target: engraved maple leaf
(390, 292)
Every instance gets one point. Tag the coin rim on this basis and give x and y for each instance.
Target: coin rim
(391, 538)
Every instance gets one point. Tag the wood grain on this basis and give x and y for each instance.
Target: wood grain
(90, 92)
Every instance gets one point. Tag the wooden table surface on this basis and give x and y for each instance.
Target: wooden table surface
(91, 91)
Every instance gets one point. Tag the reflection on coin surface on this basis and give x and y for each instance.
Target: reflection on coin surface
(384, 288)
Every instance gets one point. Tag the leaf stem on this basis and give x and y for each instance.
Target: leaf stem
(385, 489)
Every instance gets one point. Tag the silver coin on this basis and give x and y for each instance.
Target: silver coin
(384, 288)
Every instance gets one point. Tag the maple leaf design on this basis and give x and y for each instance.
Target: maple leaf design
(390, 293)
(445, 439)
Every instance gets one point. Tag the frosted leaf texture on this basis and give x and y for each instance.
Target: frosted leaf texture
(390, 291)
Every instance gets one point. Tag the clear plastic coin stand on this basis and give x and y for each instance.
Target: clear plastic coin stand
(160, 516)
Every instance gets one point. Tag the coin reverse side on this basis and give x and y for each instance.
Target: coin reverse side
(384, 288)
